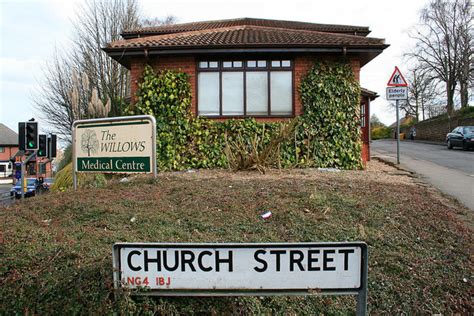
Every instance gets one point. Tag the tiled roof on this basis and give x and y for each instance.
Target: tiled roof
(247, 36)
(205, 25)
(7, 136)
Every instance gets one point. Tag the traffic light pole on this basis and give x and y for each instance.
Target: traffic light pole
(23, 164)
(22, 180)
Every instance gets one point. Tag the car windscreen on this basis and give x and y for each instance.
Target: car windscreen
(31, 181)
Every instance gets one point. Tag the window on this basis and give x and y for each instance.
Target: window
(42, 168)
(2, 149)
(245, 88)
(362, 115)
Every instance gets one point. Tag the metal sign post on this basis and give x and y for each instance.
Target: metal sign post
(398, 132)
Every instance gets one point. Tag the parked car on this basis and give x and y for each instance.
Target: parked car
(31, 186)
(461, 136)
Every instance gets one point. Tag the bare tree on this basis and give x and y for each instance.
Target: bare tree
(101, 22)
(440, 50)
(466, 64)
(150, 22)
(98, 23)
(423, 92)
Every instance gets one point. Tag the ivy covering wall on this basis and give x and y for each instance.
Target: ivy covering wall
(326, 135)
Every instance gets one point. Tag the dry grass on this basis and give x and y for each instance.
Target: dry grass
(257, 155)
(56, 253)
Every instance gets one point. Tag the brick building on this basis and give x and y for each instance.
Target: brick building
(248, 67)
(9, 154)
(8, 148)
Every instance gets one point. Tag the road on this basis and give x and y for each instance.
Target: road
(5, 194)
(451, 171)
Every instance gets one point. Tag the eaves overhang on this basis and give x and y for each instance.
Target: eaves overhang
(123, 55)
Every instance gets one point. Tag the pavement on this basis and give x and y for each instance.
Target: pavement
(451, 171)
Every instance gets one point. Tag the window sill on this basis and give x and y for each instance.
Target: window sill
(228, 117)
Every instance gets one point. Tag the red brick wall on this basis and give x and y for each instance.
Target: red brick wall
(185, 64)
(8, 152)
(365, 152)
(137, 66)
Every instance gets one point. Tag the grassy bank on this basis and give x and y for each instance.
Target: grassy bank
(56, 249)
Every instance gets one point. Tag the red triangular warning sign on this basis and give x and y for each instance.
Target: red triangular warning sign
(397, 79)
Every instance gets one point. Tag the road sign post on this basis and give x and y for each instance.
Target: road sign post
(398, 132)
(397, 89)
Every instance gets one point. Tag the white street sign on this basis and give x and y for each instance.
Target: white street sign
(397, 93)
(240, 267)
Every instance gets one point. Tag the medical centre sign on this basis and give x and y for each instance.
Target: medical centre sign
(115, 145)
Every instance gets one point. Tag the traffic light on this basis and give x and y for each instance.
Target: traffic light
(42, 146)
(21, 135)
(31, 136)
(52, 141)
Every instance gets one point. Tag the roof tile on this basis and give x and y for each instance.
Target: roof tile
(205, 25)
(246, 36)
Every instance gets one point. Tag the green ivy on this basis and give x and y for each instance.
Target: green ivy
(327, 135)
(330, 133)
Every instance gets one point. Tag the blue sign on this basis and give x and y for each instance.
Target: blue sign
(18, 170)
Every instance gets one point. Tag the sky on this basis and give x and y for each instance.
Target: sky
(32, 30)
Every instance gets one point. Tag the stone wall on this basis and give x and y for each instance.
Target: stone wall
(437, 128)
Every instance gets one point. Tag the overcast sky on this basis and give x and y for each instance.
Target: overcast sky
(32, 30)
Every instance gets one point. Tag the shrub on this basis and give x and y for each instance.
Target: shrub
(254, 153)
(64, 181)
(381, 132)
